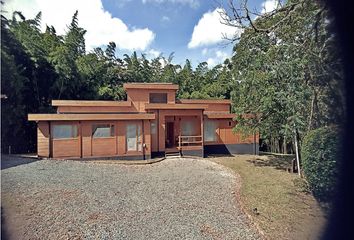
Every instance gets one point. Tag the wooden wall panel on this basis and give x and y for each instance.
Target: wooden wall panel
(66, 148)
(104, 146)
(147, 137)
(86, 131)
(43, 139)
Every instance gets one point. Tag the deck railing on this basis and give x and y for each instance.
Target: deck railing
(189, 141)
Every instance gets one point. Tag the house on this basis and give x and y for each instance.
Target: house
(150, 123)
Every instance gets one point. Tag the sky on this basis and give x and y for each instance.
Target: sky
(189, 28)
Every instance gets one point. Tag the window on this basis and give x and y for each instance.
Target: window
(187, 128)
(64, 131)
(102, 130)
(158, 97)
(133, 137)
(210, 131)
(153, 128)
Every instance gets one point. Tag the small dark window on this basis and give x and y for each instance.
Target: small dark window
(229, 123)
(158, 98)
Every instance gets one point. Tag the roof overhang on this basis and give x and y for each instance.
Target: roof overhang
(162, 86)
(181, 106)
(220, 115)
(77, 117)
(205, 101)
(75, 103)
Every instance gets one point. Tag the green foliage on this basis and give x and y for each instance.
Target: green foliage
(320, 156)
(290, 76)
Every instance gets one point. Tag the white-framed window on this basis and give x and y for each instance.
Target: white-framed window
(102, 130)
(210, 127)
(64, 131)
(133, 134)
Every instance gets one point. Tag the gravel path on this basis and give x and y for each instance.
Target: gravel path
(172, 199)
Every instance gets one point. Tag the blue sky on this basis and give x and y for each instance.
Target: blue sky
(189, 28)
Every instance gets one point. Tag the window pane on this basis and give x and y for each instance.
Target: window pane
(158, 97)
(64, 131)
(187, 128)
(102, 130)
(140, 146)
(131, 137)
(209, 131)
(153, 128)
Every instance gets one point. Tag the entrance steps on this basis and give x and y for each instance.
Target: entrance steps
(172, 155)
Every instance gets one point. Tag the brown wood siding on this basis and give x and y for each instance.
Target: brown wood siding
(225, 134)
(147, 137)
(66, 148)
(43, 139)
(104, 146)
(86, 127)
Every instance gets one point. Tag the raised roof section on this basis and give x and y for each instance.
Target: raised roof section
(161, 86)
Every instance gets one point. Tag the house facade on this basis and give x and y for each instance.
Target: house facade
(151, 122)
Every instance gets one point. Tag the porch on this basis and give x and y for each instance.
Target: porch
(184, 135)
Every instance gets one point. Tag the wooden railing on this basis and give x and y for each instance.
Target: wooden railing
(189, 141)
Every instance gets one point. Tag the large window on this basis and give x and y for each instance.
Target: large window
(210, 131)
(187, 128)
(102, 130)
(158, 98)
(64, 131)
(134, 138)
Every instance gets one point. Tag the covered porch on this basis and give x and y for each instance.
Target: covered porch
(184, 134)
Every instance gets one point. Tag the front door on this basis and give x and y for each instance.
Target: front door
(170, 135)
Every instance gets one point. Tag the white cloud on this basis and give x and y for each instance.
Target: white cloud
(204, 51)
(101, 26)
(210, 30)
(269, 5)
(211, 62)
(217, 58)
(165, 19)
(192, 3)
(153, 53)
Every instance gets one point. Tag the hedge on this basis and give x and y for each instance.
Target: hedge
(320, 154)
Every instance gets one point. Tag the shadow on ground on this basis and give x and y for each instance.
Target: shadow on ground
(277, 162)
(13, 161)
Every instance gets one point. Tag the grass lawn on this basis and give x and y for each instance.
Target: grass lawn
(285, 210)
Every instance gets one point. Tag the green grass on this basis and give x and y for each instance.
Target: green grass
(286, 209)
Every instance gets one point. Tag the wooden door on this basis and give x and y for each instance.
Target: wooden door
(170, 135)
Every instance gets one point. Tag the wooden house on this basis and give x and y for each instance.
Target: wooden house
(149, 123)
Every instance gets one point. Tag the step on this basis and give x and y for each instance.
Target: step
(172, 154)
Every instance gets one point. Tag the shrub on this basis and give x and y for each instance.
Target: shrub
(320, 160)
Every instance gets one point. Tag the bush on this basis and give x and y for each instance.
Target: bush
(320, 160)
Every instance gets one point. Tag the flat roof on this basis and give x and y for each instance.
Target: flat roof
(220, 115)
(95, 116)
(164, 86)
(80, 103)
(182, 106)
(210, 101)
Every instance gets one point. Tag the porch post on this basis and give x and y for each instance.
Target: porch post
(202, 130)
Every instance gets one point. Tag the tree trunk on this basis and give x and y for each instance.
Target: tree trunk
(297, 152)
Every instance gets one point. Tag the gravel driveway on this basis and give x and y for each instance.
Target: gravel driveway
(172, 199)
